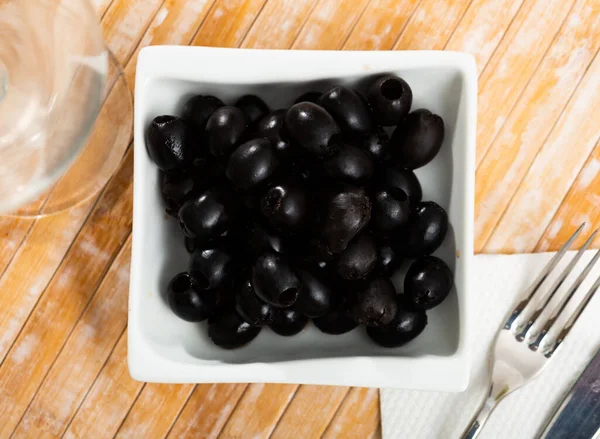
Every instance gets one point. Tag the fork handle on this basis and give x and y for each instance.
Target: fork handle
(481, 416)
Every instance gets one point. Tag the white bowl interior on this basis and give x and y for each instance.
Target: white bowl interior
(438, 89)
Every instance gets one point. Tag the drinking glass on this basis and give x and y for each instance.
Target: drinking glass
(65, 107)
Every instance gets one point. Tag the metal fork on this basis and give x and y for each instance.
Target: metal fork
(526, 342)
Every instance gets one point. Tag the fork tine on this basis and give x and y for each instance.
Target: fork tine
(559, 308)
(573, 318)
(522, 329)
(541, 278)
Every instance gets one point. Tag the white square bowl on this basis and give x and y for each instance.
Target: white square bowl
(163, 348)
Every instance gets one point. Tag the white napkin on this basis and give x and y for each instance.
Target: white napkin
(497, 282)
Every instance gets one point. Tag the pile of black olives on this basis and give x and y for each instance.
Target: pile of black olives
(304, 213)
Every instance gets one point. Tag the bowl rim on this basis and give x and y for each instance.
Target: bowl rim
(376, 371)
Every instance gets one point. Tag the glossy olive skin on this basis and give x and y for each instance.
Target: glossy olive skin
(198, 109)
(428, 282)
(405, 180)
(350, 164)
(345, 214)
(229, 330)
(418, 139)
(187, 300)
(286, 207)
(253, 107)
(251, 164)
(388, 260)
(258, 239)
(225, 129)
(207, 216)
(170, 142)
(377, 144)
(358, 259)
(316, 296)
(407, 324)
(274, 281)
(176, 187)
(287, 321)
(271, 126)
(375, 304)
(390, 99)
(312, 128)
(337, 321)
(309, 96)
(212, 267)
(391, 209)
(252, 309)
(426, 229)
(348, 109)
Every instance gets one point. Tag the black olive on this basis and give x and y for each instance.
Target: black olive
(312, 128)
(345, 215)
(309, 96)
(285, 207)
(375, 304)
(170, 143)
(253, 107)
(337, 321)
(176, 187)
(425, 231)
(350, 164)
(287, 321)
(207, 216)
(187, 300)
(274, 281)
(190, 244)
(224, 130)
(229, 330)
(418, 139)
(428, 282)
(252, 163)
(212, 267)
(406, 325)
(391, 209)
(258, 239)
(272, 127)
(390, 99)
(388, 260)
(377, 144)
(198, 109)
(316, 297)
(406, 180)
(348, 109)
(252, 309)
(358, 259)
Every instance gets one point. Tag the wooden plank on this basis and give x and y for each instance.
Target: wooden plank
(65, 298)
(207, 410)
(108, 401)
(533, 117)
(278, 24)
(533, 205)
(329, 24)
(228, 22)
(380, 24)
(84, 354)
(357, 417)
(582, 204)
(513, 64)
(482, 27)
(321, 402)
(152, 414)
(431, 25)
(258, 410)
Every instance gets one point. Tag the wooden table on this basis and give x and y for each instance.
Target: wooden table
(64, 280)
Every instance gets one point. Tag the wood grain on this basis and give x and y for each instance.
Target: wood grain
(538, 103)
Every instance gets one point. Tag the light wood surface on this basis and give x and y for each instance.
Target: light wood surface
(64, 280)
